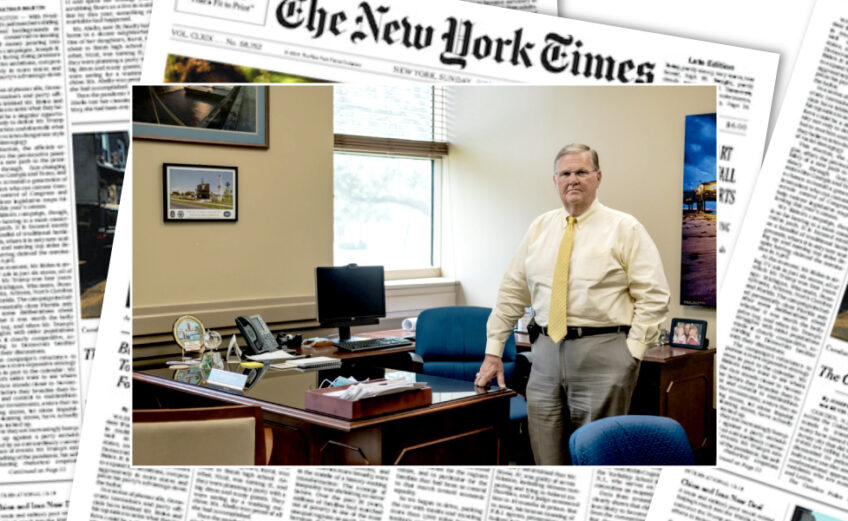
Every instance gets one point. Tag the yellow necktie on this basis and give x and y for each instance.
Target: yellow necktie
(559, 292)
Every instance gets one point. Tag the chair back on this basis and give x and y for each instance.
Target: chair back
(230, 435)
(631, 440)
(452, 342)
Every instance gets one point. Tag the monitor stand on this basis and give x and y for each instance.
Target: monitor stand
(344, 335)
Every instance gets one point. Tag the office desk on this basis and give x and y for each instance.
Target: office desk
(464, 425)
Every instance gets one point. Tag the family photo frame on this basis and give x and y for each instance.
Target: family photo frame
(687, 332)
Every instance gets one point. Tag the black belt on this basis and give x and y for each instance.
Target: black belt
(579, 332)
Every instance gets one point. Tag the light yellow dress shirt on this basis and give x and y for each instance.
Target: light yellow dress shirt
(615, 278)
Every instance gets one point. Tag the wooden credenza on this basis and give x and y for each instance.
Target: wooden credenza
(678, 383)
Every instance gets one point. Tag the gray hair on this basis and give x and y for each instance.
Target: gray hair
(577, 148)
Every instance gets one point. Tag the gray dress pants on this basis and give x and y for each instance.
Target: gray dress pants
(573, 383)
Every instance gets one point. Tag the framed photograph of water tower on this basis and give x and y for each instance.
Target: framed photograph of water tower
(200, 192)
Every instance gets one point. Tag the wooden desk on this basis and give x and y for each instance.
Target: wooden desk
(367, 363)
(464, 425)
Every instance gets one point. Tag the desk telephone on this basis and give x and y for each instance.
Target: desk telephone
(256, 334)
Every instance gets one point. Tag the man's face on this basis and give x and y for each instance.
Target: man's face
(576, 181)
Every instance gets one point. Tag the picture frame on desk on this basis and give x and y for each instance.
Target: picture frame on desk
(232, 115)
(687, 332)
(199, 192)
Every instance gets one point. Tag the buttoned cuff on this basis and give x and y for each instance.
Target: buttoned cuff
(493, 347)
(637, 348)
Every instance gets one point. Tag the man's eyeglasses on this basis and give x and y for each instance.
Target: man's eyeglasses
(579, 173)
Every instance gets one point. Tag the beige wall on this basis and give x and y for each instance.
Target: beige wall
(265, 261)
(499, 172)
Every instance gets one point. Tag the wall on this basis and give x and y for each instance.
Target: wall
(503, 142)
(264, 262)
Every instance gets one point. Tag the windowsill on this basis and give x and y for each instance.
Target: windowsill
(408, 297)
(433, 282)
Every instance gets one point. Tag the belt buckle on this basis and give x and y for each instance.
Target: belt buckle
(579, 332)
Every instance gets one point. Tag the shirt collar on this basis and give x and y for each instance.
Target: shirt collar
(593, 208)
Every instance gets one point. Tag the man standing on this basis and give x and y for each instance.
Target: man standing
(595, 280)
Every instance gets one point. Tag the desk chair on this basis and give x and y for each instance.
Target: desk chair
(451, 342)
(631, 440)
(229, 435)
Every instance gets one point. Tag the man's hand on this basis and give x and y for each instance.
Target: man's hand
(492, 366)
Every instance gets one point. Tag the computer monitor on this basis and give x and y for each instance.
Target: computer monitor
(350, 296)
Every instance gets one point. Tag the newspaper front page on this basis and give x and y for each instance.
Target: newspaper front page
(336, 40)
(783, 393)
(108, 486)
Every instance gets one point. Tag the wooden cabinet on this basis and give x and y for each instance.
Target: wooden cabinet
(678, 383)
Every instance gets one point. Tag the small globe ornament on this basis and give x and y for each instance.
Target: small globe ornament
(212, 339)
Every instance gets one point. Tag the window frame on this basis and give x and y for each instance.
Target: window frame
(436, 152)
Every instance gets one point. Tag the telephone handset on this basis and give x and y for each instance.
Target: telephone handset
(257, 336)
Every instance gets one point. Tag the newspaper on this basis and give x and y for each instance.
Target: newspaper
(713, 495)
(108, 486)
(783, 393)
(56, 233)
(727, 21)
(371, 41)
(40, 376)
(104, 46)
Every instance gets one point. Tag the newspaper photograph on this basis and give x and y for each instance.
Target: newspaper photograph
(783, 402)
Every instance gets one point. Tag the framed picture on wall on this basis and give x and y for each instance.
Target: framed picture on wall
(200, 192)
(208, 114)
(686, 332)
(698, 244)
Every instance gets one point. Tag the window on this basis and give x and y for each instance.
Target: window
(389, 141)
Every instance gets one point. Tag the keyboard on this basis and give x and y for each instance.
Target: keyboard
(371, 343)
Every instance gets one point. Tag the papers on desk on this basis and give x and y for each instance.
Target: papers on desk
(362, 390)
(280, 354)
(314, 363)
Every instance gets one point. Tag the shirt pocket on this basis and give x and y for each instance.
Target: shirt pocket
(597, 268)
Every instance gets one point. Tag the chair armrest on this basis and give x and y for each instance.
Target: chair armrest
(416, 361)
(523, 363)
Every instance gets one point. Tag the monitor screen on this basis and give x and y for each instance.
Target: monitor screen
(350, 295)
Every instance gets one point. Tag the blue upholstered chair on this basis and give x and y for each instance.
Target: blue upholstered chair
(631, 440)
(451, 342)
